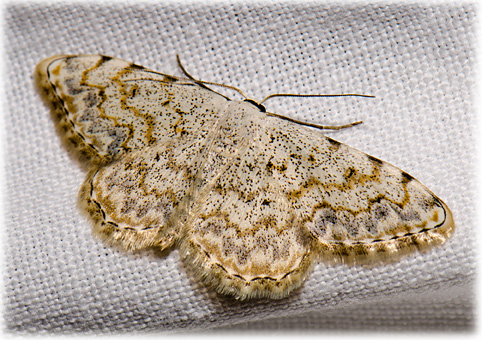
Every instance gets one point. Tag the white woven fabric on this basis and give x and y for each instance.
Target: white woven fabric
(417, 60)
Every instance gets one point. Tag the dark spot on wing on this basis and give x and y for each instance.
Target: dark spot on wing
(327, 217)
(169, 79)
(136, 67)
(91, 99)
(375, 160)
(406, 177)
(269, 166)
(73, 87)
(349, 173)
(265, 202)
(104, 59)
(380, 212)
(333, 142)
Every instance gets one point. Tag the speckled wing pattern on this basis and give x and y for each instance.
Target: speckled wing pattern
(252, 201)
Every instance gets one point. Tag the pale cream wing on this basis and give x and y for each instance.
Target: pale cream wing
(145, 197)
(153, 125)
(243, 237)
(105, 107)
(292, 196)
(142, 200)
(358, 208)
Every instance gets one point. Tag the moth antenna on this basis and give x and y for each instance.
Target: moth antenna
(203, 83)
(315, 95)
(184, 70)
(314, 125)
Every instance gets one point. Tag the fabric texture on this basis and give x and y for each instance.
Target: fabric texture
(418, 60)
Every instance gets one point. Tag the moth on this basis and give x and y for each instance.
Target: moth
(251, 200)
